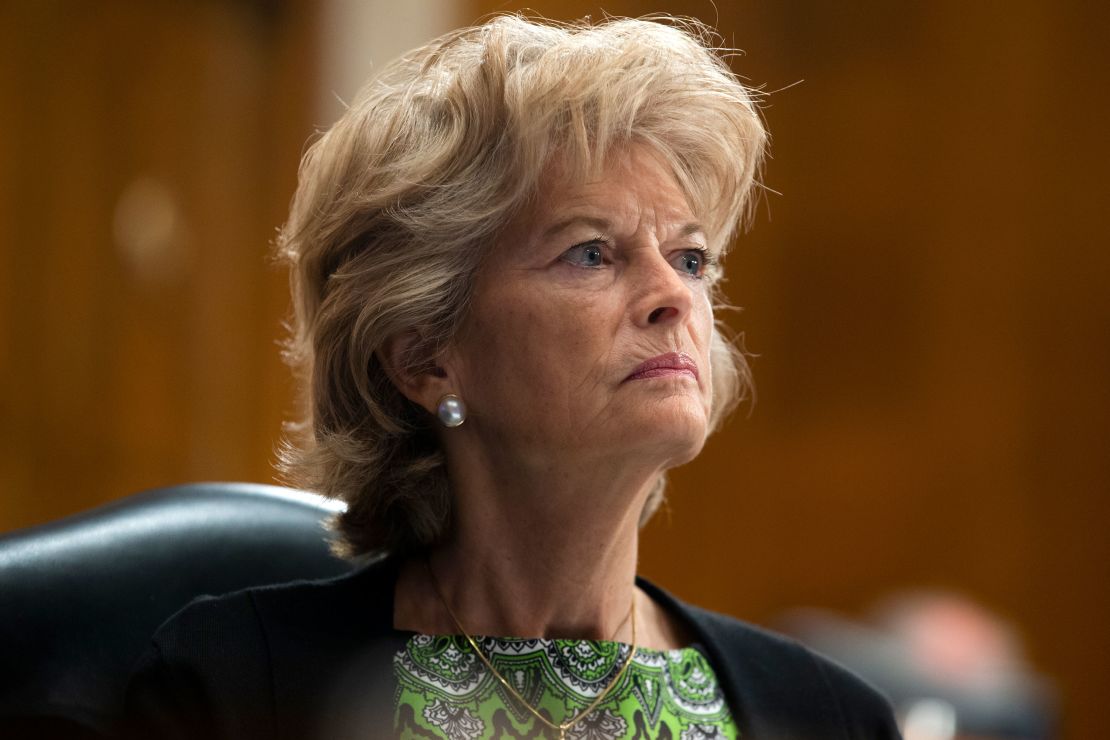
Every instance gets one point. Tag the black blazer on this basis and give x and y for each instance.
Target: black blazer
(314, 660)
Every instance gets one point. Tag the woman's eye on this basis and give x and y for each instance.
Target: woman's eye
(585, 255)
(693, 262)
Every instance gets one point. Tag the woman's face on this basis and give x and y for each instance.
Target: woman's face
(596, 280)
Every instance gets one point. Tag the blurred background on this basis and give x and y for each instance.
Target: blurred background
(925, 290)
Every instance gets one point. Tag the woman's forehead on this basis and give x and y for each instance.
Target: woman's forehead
(631, 185)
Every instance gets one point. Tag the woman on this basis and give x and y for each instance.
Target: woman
(503, 263)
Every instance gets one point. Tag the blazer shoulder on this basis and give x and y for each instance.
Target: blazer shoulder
(779, 688)
(209, 618)
(225, 666)
(243, 622)
(211, 649)
(800, 692)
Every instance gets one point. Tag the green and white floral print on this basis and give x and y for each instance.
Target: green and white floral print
(444, 691)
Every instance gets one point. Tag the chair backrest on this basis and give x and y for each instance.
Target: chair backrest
(80, 597)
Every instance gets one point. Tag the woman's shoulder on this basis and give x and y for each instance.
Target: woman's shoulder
(236, 664)
(780, 688)
(267, 610)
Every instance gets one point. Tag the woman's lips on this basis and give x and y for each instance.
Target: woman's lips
(672, 363)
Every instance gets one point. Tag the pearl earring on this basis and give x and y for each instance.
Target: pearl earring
(451, 410)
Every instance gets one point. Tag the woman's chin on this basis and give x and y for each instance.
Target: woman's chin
(676, 435)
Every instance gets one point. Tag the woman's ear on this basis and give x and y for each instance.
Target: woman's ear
(418, 378)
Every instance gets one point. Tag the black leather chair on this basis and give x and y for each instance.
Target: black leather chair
(80, 597)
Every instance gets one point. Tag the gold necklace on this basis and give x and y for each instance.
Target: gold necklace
(560, 728)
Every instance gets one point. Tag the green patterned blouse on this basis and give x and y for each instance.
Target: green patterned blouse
(444, 690)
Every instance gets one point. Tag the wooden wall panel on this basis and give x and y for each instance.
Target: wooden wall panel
(149, 153)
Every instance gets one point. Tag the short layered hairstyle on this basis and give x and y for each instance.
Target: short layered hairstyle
(399, 202)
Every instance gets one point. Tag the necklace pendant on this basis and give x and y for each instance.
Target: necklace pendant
(562, 733)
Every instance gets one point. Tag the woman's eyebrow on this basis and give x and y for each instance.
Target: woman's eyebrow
(690, 229)
(600, 224)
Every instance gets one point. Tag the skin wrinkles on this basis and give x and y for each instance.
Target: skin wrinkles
(644, 233)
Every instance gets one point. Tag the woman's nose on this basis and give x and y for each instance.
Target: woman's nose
(663, 295)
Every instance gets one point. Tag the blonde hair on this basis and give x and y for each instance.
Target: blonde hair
(398, 202)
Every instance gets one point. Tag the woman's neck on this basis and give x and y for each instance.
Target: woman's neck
(535, 555)
(539, 574)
